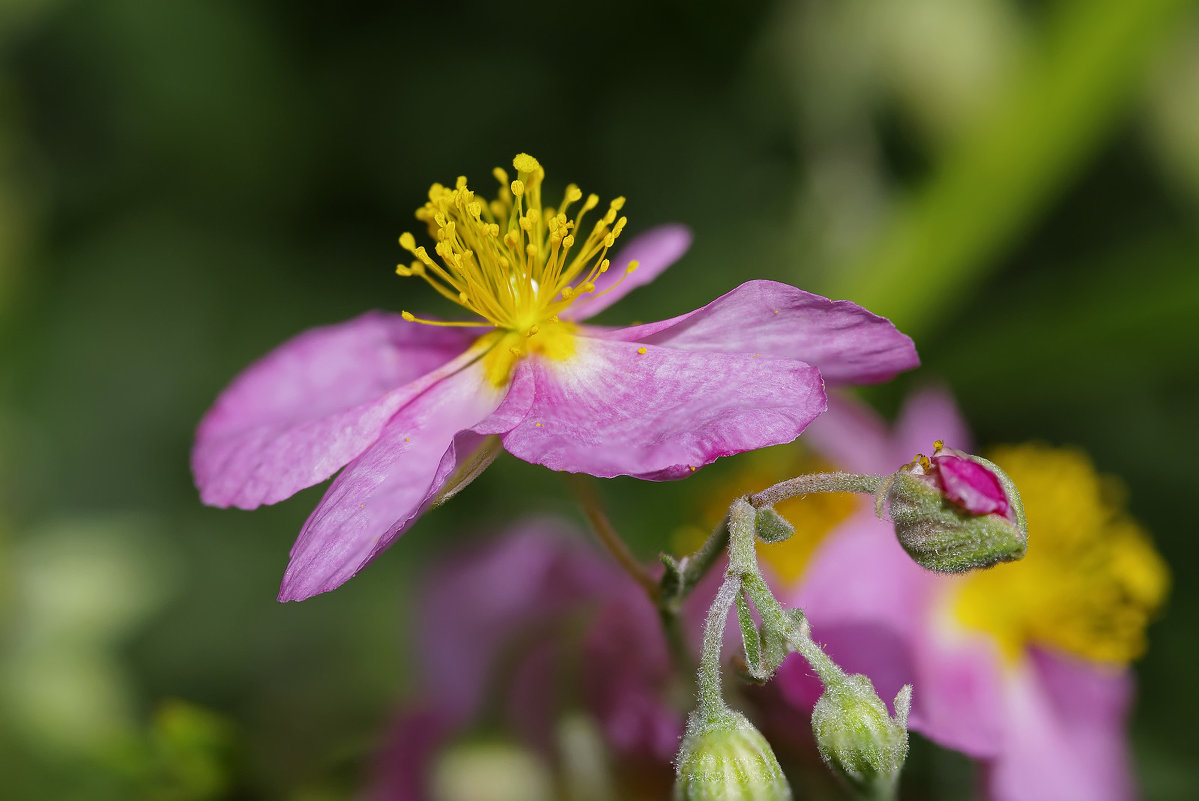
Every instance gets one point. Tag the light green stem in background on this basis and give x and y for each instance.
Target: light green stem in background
(1057, 110)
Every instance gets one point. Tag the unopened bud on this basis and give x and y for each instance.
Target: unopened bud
(857, 737)
(770, 526)
(723, 758)
(955, 512)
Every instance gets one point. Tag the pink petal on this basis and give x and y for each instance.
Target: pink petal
(928, 415)
(961, 673)
(654, 250)
(382, 492)
(1064, 734)
(610, 410)
(847, 343)
(852, 436)
(970, 485)
(299, 414)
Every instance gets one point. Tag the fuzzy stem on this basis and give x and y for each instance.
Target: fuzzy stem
(818, 482)
(711, 701)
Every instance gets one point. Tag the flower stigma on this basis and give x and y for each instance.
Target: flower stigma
(513, 262)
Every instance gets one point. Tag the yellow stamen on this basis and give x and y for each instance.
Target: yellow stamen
(512, 261)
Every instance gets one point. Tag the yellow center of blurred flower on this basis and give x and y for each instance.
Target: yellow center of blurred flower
(1091, 580)
(512, 262)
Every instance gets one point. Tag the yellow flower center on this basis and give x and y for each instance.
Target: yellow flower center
(512, 262)
(1091, 580)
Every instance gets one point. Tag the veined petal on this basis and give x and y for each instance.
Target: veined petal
(847, 343)
(654, 251)
(303, 411)
(382, 492)
(613, 410)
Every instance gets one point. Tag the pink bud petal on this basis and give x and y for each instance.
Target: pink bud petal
(970, 485)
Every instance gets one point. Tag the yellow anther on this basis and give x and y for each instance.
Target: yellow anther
(617, 204)
(403, 271)
(525, 163)
(633, 265)
(938, 445)
(513, 260)
(641, 350)
(409, 316)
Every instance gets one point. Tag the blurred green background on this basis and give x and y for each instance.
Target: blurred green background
(185, 184)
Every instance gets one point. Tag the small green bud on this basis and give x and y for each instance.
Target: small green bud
(856, 736)
(955, 512)
(723, 758)
(770, 526)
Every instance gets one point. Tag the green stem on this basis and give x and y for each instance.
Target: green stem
(742, 518)
(711, 701)
(818, 482)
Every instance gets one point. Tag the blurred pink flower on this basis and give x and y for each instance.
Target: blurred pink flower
(412, 411)
(515, 636)
(1013, 665)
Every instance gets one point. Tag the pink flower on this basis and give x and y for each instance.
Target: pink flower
(1020, 665)
(414, 411)
(526, 632)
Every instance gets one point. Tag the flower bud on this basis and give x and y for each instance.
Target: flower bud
(856, 736)
(724, 757)
(955, 512)
(772, 527)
